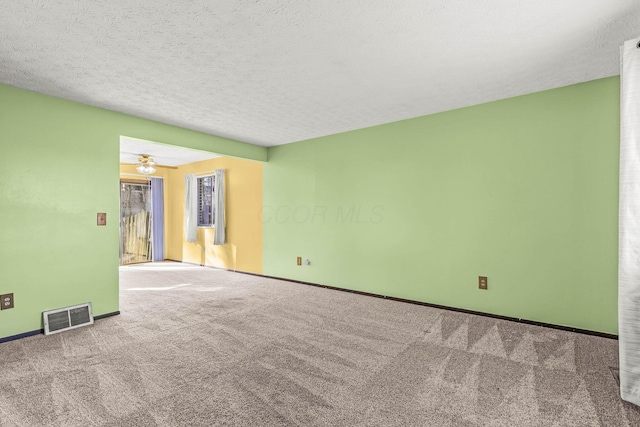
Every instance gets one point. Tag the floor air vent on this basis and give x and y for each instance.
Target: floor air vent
(63, 319)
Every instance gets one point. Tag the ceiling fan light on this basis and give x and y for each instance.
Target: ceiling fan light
(145, 169)
(145, 164)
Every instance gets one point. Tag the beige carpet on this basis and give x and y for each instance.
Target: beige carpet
(199, 346)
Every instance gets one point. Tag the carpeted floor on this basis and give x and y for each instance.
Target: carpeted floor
(199, 346)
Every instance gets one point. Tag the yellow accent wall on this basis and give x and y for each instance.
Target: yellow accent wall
(243, 187)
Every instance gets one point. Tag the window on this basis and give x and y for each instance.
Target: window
(205, 201)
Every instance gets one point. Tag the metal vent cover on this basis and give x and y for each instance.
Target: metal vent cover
(62, 319)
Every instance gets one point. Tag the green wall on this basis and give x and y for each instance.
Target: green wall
(523, 190)
(59, 166)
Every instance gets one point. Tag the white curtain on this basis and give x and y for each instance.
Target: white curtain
(219, 235)
(629, 224)
(190, 207)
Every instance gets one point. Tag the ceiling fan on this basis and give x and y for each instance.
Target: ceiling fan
(145, 164)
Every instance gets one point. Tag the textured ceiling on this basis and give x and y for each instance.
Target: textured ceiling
(274, 72)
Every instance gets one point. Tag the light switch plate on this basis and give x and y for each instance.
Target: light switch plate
(102, 218)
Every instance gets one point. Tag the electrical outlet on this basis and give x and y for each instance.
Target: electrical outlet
(307, 261)
(482, 282)
(299, 260)
(6, 301)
